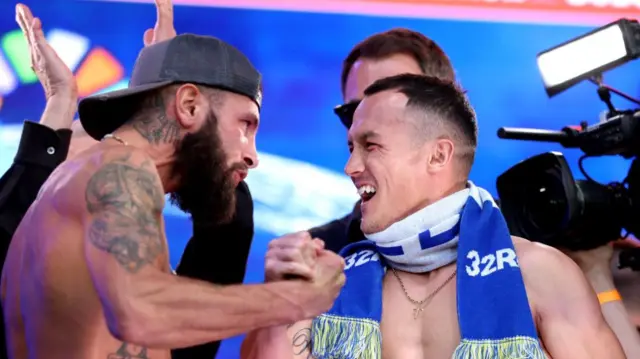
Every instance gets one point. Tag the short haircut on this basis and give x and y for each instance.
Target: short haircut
(442, 108)
(429, 56)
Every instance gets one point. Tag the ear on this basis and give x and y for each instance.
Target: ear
(188, 106)
(441, 155)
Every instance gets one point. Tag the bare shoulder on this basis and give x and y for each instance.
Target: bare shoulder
(542, 259)
(80, 184)
(123, 199)
(122, 178)
(549, 275)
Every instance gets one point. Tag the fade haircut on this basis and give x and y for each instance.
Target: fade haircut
(438, 108)
(429, 56)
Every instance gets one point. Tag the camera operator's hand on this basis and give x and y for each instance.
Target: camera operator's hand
(596, 266)
(164, 28)
(594, 261)
(60, 88)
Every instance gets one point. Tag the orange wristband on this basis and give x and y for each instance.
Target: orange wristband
(609, 296)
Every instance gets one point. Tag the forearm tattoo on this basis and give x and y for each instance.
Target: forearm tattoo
(301, 342)
(129, 351)
(126, 203)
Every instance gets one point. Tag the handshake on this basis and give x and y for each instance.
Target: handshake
(299, 257)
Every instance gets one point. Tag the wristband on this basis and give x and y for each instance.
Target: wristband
(609, 296)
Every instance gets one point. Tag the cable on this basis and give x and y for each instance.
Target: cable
(617, 92)
(582, 170)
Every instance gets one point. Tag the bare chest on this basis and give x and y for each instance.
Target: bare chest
(411, 333)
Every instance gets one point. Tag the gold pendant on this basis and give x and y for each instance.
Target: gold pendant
(416, 311)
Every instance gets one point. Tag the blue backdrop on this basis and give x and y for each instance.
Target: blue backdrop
(303, 148)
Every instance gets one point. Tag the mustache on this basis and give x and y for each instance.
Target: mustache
(238, 166)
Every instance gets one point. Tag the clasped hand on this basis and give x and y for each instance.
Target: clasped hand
(299, 257)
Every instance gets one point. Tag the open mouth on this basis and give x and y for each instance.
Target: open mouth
(366, 193)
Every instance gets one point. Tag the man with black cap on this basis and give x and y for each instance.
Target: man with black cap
(87, 275)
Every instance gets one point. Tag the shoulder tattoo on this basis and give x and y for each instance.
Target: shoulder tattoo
(126, 203)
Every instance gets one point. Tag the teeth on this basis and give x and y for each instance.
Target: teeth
(366, 189)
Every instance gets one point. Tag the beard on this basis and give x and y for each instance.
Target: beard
(206, 187)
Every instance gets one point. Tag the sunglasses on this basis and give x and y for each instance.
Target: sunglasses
(345, 112)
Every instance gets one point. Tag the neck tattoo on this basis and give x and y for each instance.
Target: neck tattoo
(420, 305)
(112, 136)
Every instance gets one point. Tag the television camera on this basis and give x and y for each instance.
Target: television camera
(540, 197)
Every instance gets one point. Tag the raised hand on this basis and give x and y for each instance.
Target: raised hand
(54, 75)
(164, 28)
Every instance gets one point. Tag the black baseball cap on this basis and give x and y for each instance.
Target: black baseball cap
(186, 58)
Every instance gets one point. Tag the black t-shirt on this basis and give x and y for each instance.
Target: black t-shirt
(218, 254)
(338, 233)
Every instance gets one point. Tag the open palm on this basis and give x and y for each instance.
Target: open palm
(164, 28)
(54, 75)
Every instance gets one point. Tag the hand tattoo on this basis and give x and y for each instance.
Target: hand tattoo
(127, 204)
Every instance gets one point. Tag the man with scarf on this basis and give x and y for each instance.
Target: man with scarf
(383, 54)
(438, 275)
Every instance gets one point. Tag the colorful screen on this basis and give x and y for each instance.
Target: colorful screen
(300, 181)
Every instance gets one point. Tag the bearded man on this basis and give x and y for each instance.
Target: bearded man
(87, 273)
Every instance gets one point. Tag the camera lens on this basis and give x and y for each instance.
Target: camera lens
(544, 206)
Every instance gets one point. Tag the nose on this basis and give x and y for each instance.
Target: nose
(251, 162)
(354, 165)
(250, 156)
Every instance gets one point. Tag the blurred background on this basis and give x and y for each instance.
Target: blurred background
(299, 47)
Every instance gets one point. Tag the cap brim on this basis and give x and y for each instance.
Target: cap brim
(104, 113)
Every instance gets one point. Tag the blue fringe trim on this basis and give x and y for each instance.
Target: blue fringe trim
(507, 348)
(334, 337)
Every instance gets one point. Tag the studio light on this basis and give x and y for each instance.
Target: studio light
(589, 55)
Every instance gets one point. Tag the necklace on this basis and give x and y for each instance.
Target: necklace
(111, 135)
(421, 304)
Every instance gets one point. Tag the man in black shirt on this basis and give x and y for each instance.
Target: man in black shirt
(42, 149)
(381, 55)
(43, 146)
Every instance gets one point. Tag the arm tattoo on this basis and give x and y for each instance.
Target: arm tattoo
(126, 202)
(302, 342)
(155, 125)
(129, 351)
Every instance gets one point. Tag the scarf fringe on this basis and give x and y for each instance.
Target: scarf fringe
(508, 348)
(336, 337)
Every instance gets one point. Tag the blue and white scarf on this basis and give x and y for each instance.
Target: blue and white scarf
(493, 311)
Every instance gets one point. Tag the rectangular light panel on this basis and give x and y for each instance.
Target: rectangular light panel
(582, 56)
